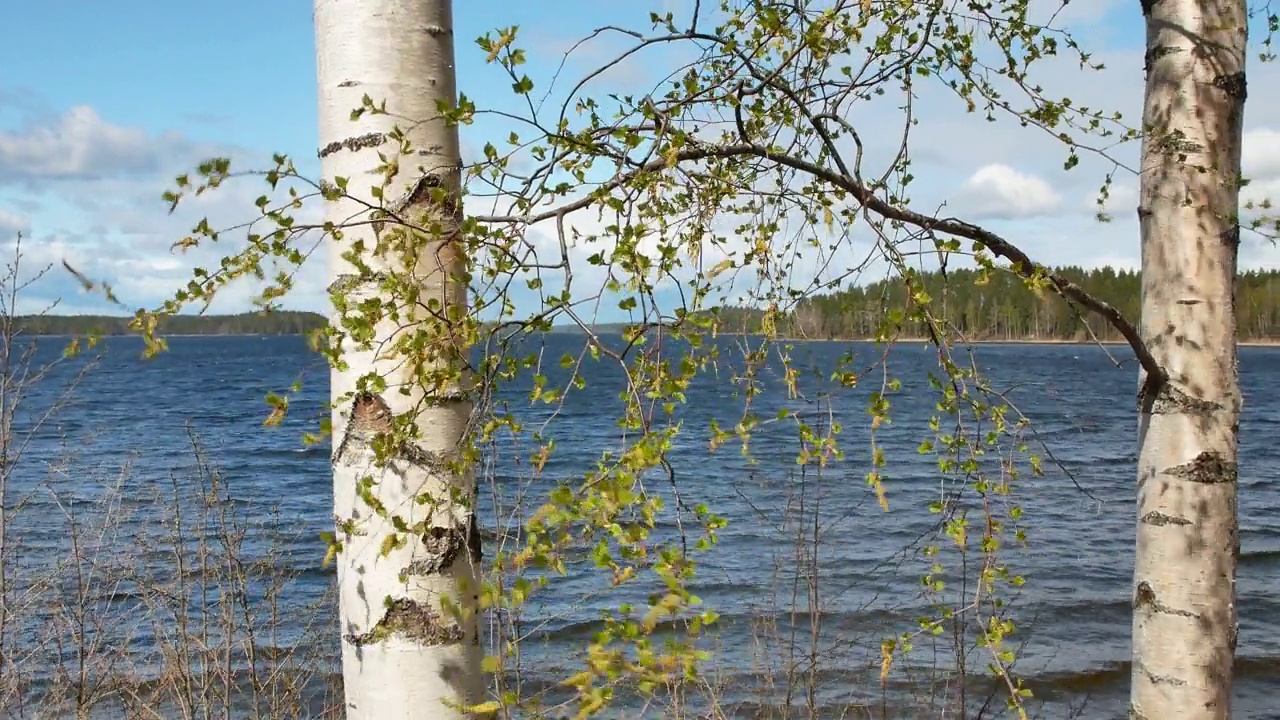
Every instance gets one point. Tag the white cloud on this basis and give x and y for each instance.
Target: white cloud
(1261, 157)
(1121, 200)
(12, 224)
(80, 144)
(998, 191)
(1261, 191)
(127, 240)
(92, 191)
(110, 175)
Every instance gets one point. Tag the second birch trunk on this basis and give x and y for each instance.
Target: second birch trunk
(1184, 616)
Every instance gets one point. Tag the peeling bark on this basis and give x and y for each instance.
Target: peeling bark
(370, 418)
(443, 546)
(1155, 517)
(411, 621)
(1146, 601)
(353, 144)
(370, 415)
(1184, 619)
(1208, 468)
(349, 282)
(1169, 400)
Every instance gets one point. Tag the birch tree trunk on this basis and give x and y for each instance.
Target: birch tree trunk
(1184, 618)
(404, 655)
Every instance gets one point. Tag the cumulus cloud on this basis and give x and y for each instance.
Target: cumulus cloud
(12, 224)
(112, 175)
(1260, 164)
(142, 273)
(93, 188)
(127, 239)
(80, 144)
(1121, 200)
(1261, 158)
(1261, 192)
(1000, 192)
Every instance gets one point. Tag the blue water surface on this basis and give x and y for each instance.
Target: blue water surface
(1073, 612)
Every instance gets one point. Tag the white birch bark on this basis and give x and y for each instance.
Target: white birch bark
(1184, 621)
(403, 656)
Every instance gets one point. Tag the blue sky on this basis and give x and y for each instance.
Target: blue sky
(101, 103)
(238, 72)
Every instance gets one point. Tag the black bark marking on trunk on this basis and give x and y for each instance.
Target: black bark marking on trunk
(474, 543)
(452, 397)
(1155, 54)
(428, 460)
(360, 142)
(1160, 679)
(1145, 599)
(409, 619)
(1144, 475)
(1234, 85)
(1149, 393)
(442, 545)
(1159, 519)
(350, 281)
(348, 83)
(1147, 6)
(1189, 301)
(1231, 237)
(1176, 145)
(425, 191)
(1208, 468)
(1135, 713)
(1144, 595)
(419, 192)
(1169, 400)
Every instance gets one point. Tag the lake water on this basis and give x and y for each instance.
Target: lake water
(1073, 612)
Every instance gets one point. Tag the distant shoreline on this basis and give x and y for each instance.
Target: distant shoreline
(162, 334)
(1265, 342)
(1256, 342)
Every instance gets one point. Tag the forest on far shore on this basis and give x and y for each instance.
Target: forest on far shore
(276, 322)
(1002, 308)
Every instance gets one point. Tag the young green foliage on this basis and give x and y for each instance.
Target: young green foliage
(742, 166)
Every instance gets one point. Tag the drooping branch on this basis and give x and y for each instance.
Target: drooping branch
(998, 246)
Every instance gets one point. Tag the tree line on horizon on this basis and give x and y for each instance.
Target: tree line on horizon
(275, 322)
(999, 307)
